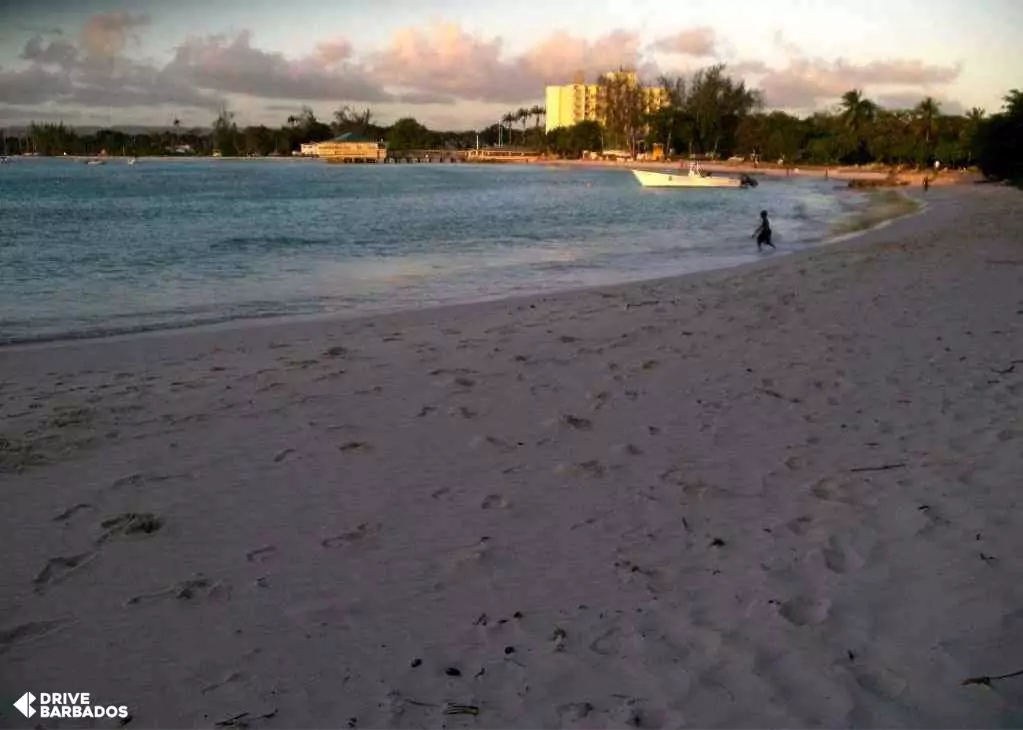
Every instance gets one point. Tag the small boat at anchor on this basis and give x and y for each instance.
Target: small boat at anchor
(696, 178)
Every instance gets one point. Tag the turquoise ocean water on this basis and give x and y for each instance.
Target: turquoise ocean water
(92, 250)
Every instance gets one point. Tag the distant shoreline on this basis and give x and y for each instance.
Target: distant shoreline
(843, 172)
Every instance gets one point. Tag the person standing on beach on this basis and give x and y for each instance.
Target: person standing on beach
(927, 183)
(763, 232)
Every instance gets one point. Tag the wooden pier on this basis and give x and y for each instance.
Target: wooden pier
(403, 157)
(425, 156)
(439, 156)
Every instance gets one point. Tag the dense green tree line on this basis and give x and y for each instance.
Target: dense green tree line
(707, 114)
(226, 138)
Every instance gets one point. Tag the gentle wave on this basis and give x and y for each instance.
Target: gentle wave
(200, 243)
(265, 243)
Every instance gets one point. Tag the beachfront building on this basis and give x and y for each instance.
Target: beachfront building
(577, 102)
(351, 147)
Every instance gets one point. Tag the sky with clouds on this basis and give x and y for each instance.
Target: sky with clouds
(462, 63)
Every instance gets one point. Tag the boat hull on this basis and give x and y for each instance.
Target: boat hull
(650, 179)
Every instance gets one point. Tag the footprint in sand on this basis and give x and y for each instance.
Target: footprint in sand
(829, 490)
(493, 441)
(841, 558)
(805, 611)
(60, 569)
(130, 523)
(282, 455)
(934, 521)
(475, 554)
(794, 463)
(626, 450)
(607, 643)
(30, 631)
(229, 679)
(71, 512)
(186, 590)
(494, 501)
(577, 422)
(331, 375)
(574, 711)
(261, 555)
(882, 682)
(139, 478)
(361, 534)
(355, 447)
(591, 468)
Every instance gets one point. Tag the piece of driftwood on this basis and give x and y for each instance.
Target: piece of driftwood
(883, 467)
(986, 681)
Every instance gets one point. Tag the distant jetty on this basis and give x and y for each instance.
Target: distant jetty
(424, 156)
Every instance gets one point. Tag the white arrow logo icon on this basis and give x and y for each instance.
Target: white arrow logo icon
(24, 704)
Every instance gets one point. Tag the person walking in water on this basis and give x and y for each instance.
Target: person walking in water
(763, 232)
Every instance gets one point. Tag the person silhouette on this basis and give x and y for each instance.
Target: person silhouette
(763, 232)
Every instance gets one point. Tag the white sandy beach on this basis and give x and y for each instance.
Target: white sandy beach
(783, 495)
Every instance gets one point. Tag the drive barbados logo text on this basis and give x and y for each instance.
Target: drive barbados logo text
(66, 704)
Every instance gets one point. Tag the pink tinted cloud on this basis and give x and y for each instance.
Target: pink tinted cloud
(699, 42)
(806, 83)
(231, 64)
(556, 58)
(444, 59)
(334, 51)
(440, 59)
(107, 35)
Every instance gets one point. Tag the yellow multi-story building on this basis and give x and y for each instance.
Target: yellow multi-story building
(576, 102)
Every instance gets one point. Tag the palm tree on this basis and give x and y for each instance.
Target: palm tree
(536, 112)
(927, 113)
(508, 119)
(522, 115)
(176, 141)
(1014, 103)
(974, 118)
(857, 110)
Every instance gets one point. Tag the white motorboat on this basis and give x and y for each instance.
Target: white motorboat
(695, 178)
